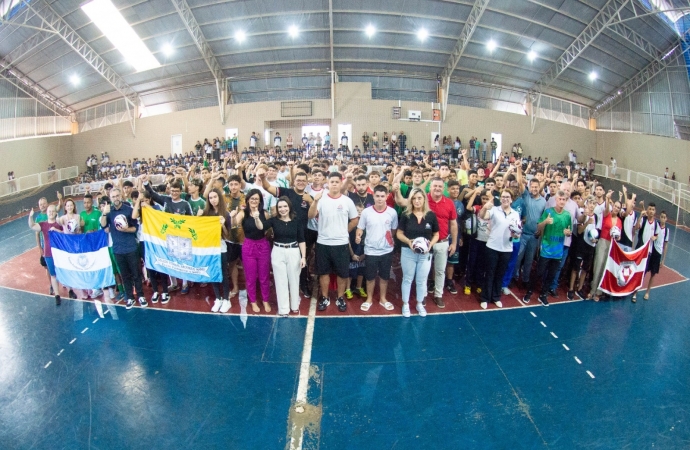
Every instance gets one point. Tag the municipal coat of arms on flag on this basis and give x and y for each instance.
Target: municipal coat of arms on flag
(185, 247)
(625, 271)
(82, 260)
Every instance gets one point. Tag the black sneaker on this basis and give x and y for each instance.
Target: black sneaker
(553, 293)
(543, 300)
(305, 291)
(72, 294)
(571, 295)
(323, 303)
(165, 298)
(430, 288)
(527, 296)
(581, 293)
(129, 304)
(58, 300)
(451, 287)
(340, 303)
(154, 297)
(52, 292)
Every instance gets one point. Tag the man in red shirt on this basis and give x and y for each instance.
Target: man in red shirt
(444, 209)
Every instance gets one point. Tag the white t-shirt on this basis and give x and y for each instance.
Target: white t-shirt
(252, 141)
(661, 241)
(343, 140)
(378, 226)
(313, 224)
(599, 212)
(499, 238)
(276, 141)
(334, 216)
(649, 230)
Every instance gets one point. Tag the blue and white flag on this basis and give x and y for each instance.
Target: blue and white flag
(82, 261)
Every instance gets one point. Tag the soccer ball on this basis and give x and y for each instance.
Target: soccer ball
(121, 222)
(420, 245)
(593, 234)
(72, 226)
(615, 233)
(515, 228)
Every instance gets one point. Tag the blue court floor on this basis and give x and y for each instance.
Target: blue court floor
(605, 375)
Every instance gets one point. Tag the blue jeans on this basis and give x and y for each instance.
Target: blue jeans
(554, 284)
(414, 266)
(511, 264)
(473, 153)
(528, 248)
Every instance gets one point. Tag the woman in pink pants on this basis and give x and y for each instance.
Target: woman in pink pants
(256, 251)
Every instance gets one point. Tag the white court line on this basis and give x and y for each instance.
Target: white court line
(95, 320)
(533, 315)
(578, 360)
(297, 433)
(554, 335)
(565, 347)
(84, 330)
(49, 363)
(590, 374)
(72, 341)
(543, 324)
(60, 352)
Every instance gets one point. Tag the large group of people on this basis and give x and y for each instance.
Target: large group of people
(305, 221)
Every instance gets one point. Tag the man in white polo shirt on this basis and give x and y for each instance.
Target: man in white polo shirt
(379, 223)
(337, 217)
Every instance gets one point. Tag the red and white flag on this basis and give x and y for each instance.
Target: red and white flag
(624, 272)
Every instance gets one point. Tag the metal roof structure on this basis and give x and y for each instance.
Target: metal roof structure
(541, 46)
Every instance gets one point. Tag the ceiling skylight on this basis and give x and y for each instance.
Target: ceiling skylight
(111, 23)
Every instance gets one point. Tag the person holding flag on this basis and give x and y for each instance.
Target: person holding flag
(610, 230)
(44, 227)
(555, 226)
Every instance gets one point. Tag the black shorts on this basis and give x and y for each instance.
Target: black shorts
(310, 236)
(583, 257)
(333, 259)
(234, 251)
(654, 262)
(378, 266)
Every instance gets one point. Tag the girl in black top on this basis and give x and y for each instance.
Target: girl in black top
(416, 221)
(216, 207)
(288, 256)
(256, 250)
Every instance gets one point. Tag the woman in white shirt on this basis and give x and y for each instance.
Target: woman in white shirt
(499, 247)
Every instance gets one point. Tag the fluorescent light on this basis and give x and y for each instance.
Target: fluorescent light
(74, 79)
(593, 75)
(293, 31)
(422, 34)
(532, 55)
(168, 50)
(370, 30)
(111, 23)
(240, 36)
(491, 45)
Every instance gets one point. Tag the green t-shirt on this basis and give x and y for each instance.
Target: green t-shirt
(92, 220)
(198, 204)
(553, 237)
(40, 217)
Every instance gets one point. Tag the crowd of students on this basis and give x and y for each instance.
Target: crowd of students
(306, 214)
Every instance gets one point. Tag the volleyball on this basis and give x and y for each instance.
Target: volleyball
(515, 228)
(420, 245)
(591, 234)
(121, 222)
(615, 233)
(72, 226)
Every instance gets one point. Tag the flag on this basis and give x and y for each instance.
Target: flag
(624, 272)
(82, 261)
(186, 247)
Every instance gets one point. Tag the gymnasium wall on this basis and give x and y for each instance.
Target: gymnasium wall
(30, 156)
(645, 153)
(354, 106)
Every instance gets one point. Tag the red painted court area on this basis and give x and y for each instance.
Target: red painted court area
(24, 273)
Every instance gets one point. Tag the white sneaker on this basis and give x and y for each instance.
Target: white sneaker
(484, 305)
(225, 307)
(499, 304)
(96, 293)
(406, 310)
(216, 305)
(421, 310)
(506, 291)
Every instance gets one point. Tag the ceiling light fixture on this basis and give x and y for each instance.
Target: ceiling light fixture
(593, 75)
(422, 34)
(491, 45)
(370, 30)
(114, 26)
(168, 50)
(293, 31)
(240, 36)
(532, 55)
(75, 80)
